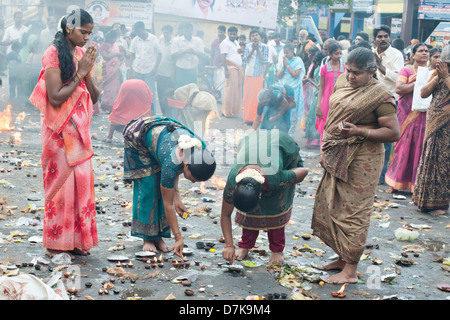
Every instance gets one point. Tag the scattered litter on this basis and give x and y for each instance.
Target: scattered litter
(62, 259)
(403, 234)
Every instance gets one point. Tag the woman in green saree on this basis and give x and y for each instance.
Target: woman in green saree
(261, 185)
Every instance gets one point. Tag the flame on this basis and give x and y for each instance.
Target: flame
(17, 138)
(21, 116)
(209, 117)
(160, 258)
(202, 187)
(219, 182)
(5, 119)
(342, 288)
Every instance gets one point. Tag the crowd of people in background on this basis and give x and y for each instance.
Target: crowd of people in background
(352, 98)
(301, 69)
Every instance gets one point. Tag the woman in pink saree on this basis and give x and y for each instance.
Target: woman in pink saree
(401, 174)
(65, 94)
(111, 74)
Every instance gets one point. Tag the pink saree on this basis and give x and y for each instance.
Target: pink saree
(401, 174)
(69, 217)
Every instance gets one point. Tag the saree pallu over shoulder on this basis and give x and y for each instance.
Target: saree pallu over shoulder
(349, 105)
(138, 159)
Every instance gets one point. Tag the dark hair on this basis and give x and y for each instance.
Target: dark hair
(254, 31)
(417, 46)
(363, 59)
(398, 44)
(232, 29)
(139, 25)
(363, 35)
(434, 51)
(222, 27)
(360, 44)
(313, 50)
(333, 47)
(111, 35)
(242, 36)
(263, 36)
(384, 28)
(289, 46)
(318, 57)
(246, 194)
(201, 163)
(65, 57)
(167, 27)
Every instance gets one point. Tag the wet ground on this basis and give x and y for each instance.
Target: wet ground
(389, 269)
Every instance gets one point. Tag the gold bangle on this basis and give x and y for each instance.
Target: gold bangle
(367, 133)
(79, 77)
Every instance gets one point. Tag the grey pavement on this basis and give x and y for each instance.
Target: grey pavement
(390, 269)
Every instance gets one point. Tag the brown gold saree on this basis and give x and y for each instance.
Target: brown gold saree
(345, 195)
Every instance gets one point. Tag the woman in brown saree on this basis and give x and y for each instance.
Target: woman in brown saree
(432, 188)
(361, 118)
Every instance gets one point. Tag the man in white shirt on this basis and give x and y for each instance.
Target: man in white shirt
(187, 51)
(14, 33)
(389, 61)
(232, 66)
(145, 57)
(256, 56)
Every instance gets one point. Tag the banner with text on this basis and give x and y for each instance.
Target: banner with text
(257, 13)
(105, 13)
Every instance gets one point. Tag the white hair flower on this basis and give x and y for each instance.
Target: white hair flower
(187, 142)
(250, 173)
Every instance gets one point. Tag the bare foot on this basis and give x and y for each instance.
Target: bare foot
(342, 277)
(436, 213)
(149, 245)
(391, 190)
(163, 246)
(335, 265)
(276, 258)
(241, 253)
(51, 253)
(80, 252)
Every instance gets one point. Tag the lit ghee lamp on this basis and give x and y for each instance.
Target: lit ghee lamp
(340, 293)
(72, 291)
(160, 258)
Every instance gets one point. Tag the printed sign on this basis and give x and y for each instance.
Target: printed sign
(257, 13)
(105, 13)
